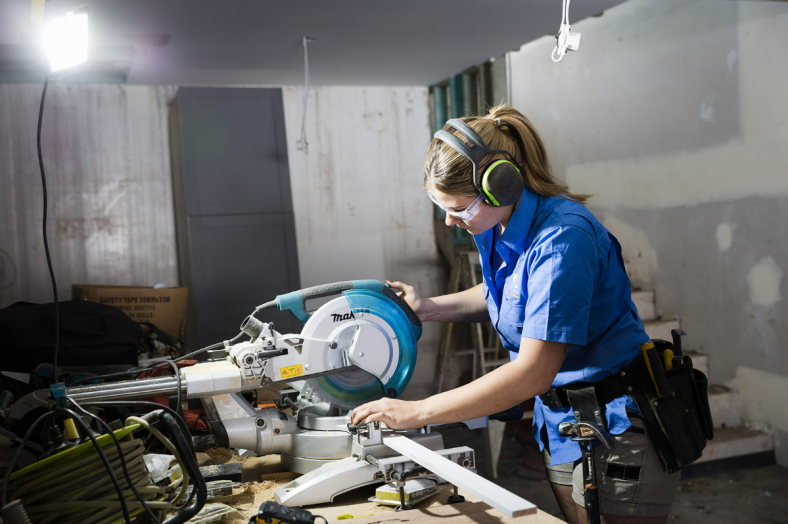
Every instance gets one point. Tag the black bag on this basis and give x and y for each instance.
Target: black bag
(91, 334)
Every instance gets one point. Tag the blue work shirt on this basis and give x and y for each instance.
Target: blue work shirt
(561, 278)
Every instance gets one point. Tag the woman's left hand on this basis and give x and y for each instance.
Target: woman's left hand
(396, 414)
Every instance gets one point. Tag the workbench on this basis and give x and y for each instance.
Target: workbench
(263, 476)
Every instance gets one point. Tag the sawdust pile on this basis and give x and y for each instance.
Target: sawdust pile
(253, 467)
(223, 455)
(248, 497)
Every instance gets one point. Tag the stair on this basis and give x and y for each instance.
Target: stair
(661, 328)
(724, 404)
(700, 361)
(733, 448)
(645, 303)
(734, 445)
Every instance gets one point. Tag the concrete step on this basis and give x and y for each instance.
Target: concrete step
(661, 328)
(732, 448)
(644, 302)
(700, 361)
(724, 403)
(736, 441)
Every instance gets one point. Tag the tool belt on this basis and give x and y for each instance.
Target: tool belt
(674, 403)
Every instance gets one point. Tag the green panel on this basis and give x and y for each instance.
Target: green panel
(440, 106)
(74, 452)
(461, 237)
(457, 102)
(470, 93)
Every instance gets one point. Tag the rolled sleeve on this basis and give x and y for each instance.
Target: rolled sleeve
(562, 274)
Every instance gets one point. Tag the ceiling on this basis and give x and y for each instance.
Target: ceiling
(258, 42)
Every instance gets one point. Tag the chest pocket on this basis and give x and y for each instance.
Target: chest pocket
(512, 313)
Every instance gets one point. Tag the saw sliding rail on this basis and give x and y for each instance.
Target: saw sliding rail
(127, 390)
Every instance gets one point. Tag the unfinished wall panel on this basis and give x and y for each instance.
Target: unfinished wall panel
(359, 205)
(107, 161)
(673, 115)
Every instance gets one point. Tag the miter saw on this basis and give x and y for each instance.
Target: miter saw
(356, 348)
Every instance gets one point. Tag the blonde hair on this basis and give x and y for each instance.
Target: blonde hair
(502, 128)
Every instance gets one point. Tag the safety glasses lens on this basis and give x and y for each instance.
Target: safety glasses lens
(466, 214)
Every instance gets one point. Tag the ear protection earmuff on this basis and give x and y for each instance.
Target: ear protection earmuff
(501, 184)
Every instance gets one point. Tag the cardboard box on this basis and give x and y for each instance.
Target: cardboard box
(165, 307)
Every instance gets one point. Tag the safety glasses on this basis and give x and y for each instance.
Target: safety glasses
(466, 214)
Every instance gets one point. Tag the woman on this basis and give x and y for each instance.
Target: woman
(556, 292)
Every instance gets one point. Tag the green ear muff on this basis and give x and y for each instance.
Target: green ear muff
(502, 183)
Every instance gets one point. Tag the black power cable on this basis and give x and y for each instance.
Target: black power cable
(208, 348)
(152, 366)
(46, 243)
(15, 458)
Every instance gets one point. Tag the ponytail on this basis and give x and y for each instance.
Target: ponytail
(502, 128)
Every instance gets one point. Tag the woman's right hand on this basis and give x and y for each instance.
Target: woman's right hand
(408, 294)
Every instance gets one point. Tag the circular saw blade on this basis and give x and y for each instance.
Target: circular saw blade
(348, 389)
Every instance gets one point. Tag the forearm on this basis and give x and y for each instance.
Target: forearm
(529, 375)
(465, 306)
(494, 392)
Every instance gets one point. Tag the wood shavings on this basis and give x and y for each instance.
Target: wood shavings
(253, 467)
(248, 497)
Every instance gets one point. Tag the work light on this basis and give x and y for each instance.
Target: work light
(66, 41)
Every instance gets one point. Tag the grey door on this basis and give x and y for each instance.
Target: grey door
(236, 228)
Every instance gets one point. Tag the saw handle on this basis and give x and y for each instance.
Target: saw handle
(295, 301)
(325, 290)
(392, 295)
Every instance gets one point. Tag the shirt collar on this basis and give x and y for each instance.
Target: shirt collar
(516, 233)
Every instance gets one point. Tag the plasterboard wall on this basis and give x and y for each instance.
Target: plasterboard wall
(673, 115)
(106, 155)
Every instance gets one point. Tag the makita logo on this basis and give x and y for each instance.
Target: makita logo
(340, 318)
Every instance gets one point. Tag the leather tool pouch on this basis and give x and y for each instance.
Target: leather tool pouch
(679, 423)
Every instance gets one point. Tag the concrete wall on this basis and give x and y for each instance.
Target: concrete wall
(673, 115)
(359, 207)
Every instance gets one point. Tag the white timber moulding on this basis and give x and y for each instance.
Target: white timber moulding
(504, 501)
